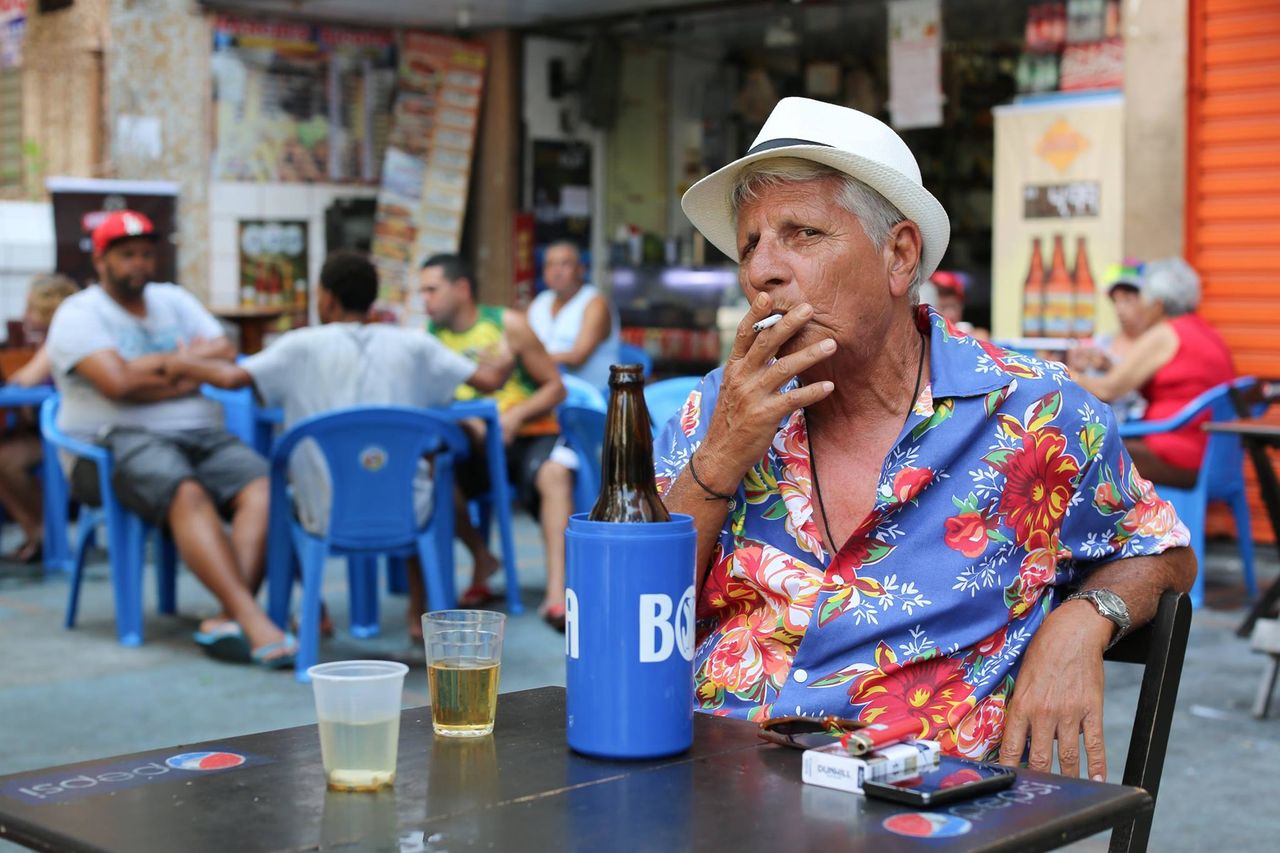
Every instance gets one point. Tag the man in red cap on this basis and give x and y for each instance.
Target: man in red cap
(174, 464)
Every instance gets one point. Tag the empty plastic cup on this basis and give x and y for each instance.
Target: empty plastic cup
(358, 707)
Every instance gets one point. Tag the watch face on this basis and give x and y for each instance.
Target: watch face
(1111, 605)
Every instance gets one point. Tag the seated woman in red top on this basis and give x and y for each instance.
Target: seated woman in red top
(1178, 357)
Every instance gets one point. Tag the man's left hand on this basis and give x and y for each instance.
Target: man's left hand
(1059, 694)
(510, 427)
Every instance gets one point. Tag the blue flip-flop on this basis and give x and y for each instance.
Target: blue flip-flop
(261, 656)
(225, 642)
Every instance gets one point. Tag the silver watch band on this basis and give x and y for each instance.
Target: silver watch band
(1110, 607)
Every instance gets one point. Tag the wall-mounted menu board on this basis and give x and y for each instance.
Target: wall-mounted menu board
(296, 102)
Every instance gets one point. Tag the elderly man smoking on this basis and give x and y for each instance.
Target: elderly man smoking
(888, 511)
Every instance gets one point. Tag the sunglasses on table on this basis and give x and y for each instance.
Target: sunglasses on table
(807, 732)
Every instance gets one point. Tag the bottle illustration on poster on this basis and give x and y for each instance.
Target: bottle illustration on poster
(1086, 294)
(1061, 303)
(1033, 294)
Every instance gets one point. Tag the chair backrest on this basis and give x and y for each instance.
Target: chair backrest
(1221, 473)
(372, 454)
(583, 429)
(1222, 469)
(1252, 397)
(665, 398)
(580, 392)
(1159, 647)
(53, 434)
(238, 408)
(632, 354)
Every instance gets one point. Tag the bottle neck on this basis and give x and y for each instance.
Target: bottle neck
(627, 460)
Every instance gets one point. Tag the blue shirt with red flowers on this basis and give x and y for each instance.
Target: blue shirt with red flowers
(1007, 481)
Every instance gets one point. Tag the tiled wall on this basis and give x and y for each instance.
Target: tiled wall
(231, 202)
(26, 248)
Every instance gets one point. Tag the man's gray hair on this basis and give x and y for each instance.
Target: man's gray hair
(876, 213)
(1171, 282)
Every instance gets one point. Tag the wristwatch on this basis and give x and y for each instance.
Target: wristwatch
(1109, 606)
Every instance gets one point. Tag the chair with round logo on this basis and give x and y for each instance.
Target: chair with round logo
(372, 455)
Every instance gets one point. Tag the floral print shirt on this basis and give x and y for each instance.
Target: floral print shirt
(1007, 482)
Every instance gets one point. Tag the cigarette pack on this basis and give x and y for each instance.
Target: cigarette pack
(832, 767)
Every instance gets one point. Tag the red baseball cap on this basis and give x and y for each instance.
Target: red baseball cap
(946, 280)
(121, 225)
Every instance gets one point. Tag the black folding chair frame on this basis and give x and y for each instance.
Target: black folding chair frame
(1160, 647)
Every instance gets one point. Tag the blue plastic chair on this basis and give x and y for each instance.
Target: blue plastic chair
(583, 430)
(665, 399)
(56, 549)
(580, 392)
(244, 418)
(1221, 477)
(126, 534)
(632, 354)
(372, 455)
(586, 481)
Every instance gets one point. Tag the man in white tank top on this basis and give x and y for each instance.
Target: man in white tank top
(574, 321)
(580, 330)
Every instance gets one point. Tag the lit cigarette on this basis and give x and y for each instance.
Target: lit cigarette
(767, 322)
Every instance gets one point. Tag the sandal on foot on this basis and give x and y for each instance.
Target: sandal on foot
(225, 642)
(28, 554)
(476, 595)
(264, 656)
(554, 616)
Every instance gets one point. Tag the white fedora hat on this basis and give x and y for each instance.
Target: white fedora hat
(847, 141)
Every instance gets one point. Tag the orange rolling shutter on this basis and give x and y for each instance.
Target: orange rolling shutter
(1233, 181)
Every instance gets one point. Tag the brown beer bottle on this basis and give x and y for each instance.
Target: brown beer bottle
(1085, 291)
(1059, 295)
(627, 490)
(1033, 294)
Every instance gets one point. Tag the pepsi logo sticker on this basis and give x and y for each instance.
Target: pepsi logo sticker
(373, 459)
(926, 825)
(204, 761)
(64, 784)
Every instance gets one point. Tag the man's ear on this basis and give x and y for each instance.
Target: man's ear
(902, 255)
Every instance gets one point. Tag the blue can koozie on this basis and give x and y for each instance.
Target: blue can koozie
(629, 629)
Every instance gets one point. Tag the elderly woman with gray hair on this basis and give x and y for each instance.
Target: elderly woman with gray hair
(888, 509)
(1176, 359)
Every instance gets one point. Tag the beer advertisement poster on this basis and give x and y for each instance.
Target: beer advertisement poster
(273, 268)
(1059, 216)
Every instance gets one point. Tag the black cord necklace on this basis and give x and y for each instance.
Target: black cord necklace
(813, 457)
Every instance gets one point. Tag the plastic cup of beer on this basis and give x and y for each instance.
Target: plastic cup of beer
(358, 707)
(464, 650)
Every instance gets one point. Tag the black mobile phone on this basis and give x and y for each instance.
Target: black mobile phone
(953, 779)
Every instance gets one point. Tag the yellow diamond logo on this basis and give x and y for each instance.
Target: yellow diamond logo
(1061, 145)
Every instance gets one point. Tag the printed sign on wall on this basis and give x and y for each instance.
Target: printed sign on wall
(273, 268)
(1059, 216)
(427, 169)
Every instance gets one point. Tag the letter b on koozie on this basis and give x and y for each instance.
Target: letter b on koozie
(662, 626)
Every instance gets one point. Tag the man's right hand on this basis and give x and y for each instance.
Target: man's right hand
(1084, 359)
(510, 427)
(153, 362)
(749, 406)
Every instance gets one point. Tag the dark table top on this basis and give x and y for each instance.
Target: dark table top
(521, 789)
(1247, 427)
